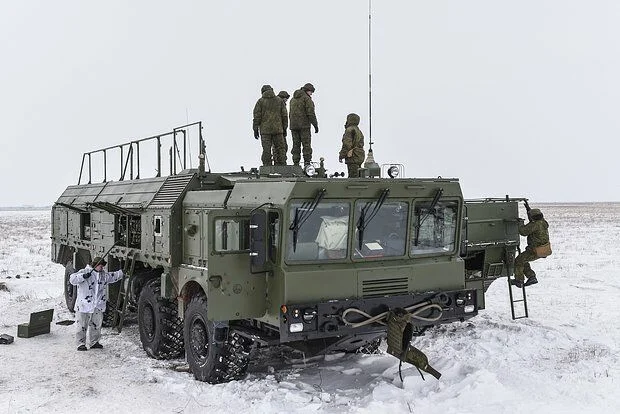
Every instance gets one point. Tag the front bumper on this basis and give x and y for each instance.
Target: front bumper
(324, 320)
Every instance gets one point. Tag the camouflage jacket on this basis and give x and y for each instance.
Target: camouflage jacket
(270, 114)
(537, 232)
(91, 291)
(302, 110)
(353, 139)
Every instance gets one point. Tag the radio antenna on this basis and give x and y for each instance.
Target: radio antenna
(370, 74)
(371, 166)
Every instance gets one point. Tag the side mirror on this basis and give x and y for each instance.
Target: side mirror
(258, 245)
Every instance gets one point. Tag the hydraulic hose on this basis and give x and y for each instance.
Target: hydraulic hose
(414, 310)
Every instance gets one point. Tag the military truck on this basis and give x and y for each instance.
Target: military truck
(219, 264)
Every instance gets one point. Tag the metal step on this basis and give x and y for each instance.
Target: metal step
(514, 300)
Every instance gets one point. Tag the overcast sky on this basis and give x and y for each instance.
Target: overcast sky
(517, 98)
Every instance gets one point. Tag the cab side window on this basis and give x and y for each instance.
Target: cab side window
(434, 227)
(274, 235)
(232, 234)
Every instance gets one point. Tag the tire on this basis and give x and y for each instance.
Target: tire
(161, 330)
(371, 348)
(108, 315)
(70, 290)
(214, 354)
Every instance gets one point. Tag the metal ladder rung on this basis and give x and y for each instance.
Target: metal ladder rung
(513, 301)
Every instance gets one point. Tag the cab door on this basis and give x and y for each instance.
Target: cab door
(234, 292)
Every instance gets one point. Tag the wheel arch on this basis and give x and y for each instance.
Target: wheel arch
(190, 289)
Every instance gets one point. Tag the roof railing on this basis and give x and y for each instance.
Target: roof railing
(130, 157)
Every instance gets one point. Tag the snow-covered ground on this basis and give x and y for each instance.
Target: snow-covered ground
(563, 359)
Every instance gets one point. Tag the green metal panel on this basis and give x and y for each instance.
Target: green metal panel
(164, 191)
(205, 199)
(186, 274)
(438, 274)
(253, 193)
(479, 286)
(233, 293)
(318, 283)
(192, 236)
(489, 222)
(311, 283)
(60, 222)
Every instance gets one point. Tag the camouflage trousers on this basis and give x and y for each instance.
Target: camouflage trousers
(301, 137)
(273, 143)
(353, 170)
(522, 265)
(88, 323)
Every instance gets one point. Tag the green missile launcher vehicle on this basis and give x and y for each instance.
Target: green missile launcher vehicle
(220, 264)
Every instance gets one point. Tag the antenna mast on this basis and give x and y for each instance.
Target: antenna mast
(369, 75)
(370, 165)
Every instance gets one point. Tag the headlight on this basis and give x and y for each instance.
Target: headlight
(469, 308)
(393, 171)
(309, 170)
(296, 327)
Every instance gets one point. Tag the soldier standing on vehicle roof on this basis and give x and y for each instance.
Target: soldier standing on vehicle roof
(352, 150)
(270, 123)
(284, 96)
(538, 246)
(302, 117)
(91, 301)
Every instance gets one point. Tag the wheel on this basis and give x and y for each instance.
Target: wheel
(213, 353)
(70, 290)
(108, 315)
(370, 348)
(161, 330)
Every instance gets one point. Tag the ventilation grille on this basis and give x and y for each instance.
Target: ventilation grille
(495, 269)
(385, 287)
(171, 191)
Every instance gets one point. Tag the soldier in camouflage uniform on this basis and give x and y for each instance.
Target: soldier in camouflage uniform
(270, 123)
(537, 232)
(284, 96)
(352, 150)
(302, 116)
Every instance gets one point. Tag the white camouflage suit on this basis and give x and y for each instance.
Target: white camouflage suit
(91, 301)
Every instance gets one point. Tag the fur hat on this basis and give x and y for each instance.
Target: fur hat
(98, 260)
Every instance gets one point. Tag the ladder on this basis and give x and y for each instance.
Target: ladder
(121, 301)
(513, 300)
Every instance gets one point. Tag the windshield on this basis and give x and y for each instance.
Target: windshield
(434, 229)
(324, 234)
(385, 235)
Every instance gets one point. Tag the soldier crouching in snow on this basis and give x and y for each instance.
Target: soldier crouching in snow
(91, 301)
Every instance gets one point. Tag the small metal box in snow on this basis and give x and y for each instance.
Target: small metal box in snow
(39, 324)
